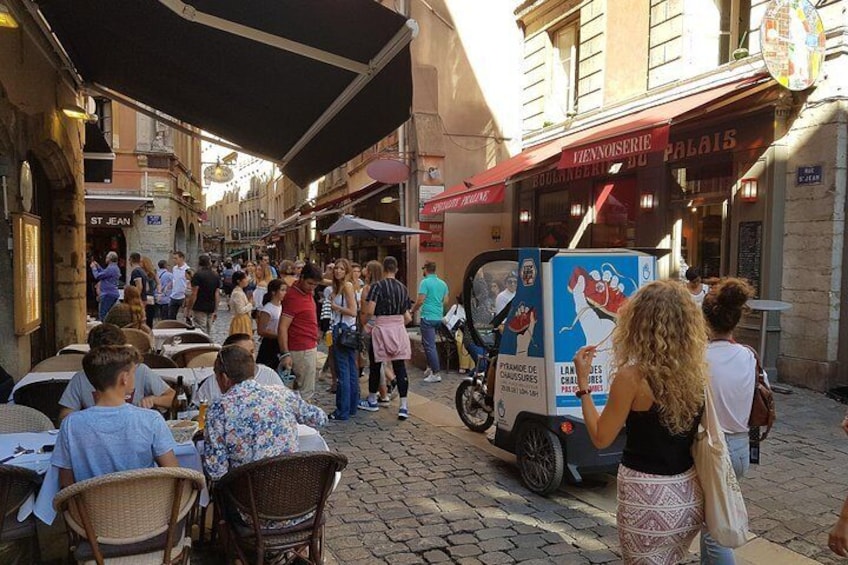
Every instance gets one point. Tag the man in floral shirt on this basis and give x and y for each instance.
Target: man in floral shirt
(249, 421)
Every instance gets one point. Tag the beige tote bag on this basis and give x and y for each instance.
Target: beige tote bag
(724, 506)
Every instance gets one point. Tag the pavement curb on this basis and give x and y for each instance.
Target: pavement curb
(756, 551)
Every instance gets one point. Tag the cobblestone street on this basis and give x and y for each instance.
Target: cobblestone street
(428, 491)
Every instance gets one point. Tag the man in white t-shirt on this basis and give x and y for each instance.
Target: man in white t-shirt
(266, 376)
(178, 285)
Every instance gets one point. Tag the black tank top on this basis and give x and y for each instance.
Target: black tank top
(652, 449)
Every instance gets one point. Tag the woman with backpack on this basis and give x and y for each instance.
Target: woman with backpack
(732, 377)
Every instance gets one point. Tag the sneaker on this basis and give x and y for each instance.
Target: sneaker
(384, 400)
(403, 413)
(428, 371)
(434, 378)
(369, 407)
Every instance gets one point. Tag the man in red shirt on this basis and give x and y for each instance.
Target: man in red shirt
(298, 332)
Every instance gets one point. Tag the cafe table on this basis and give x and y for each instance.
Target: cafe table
(160, 335)
(187, 454)
(190, 377)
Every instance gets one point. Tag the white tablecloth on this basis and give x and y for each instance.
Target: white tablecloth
(190, 377)
(160, 335)
(186, 453)
(171, 350)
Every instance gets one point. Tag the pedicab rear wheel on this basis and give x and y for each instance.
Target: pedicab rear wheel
(469, 405)
(540, 458)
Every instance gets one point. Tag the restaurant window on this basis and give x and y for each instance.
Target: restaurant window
(554, 222)
(616, 203)
(562, 95)
(734, 23)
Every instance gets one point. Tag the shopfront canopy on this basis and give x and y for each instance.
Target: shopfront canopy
(308, 84)
(489, 186)
(636, 133)
(360, 227)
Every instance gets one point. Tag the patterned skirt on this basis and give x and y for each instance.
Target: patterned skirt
(658, 515)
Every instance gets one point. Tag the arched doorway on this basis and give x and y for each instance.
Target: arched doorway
(180, 236)
(191, 245)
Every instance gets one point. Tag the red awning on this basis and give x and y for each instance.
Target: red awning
(645, 131)
(635, 134)
(489, 186)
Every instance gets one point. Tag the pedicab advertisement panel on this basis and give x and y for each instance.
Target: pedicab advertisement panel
(589, 290)
(520, 385)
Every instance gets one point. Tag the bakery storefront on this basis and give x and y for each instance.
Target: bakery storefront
(700, 199)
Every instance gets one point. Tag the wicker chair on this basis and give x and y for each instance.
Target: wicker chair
(206, 359)
(184, 357)
(170, 324)
(16, 419)
(59, 364)
(16, 484)
(140, 339)
(140, 513)
(155, 361)
(188, 337)
(288, 487)
(43, 396)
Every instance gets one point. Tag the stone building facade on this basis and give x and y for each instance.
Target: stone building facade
(34, 89)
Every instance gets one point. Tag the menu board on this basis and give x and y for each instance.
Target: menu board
(750, 253)
(26, 234)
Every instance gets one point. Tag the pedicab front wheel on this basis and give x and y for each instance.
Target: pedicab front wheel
(540, 458)
(470, 405)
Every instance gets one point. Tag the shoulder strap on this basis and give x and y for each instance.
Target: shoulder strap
(759, 381)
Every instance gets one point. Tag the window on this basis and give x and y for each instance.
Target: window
(563, 84)
(734, 23)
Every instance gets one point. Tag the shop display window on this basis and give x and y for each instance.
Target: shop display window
(616, 206)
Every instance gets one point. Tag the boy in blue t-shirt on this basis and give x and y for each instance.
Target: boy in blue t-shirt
(112, 435)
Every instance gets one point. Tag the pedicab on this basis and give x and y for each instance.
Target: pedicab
(564, 299)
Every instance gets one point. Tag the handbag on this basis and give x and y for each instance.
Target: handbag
(763, 413)
(724, 507)
(453, 318)
(347, 336)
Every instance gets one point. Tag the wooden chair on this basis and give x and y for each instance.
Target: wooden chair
(59, 364)
(206, 359)
(156, 361)
(289, 487)
(140, 339)
(170, 324)
(184, 357)
(43, 396)
(16, 485)
(187, 337)
(17, 419)
(140, 513)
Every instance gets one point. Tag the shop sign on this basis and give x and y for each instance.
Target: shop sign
(434, 241)
(616, 148)
(110, 220)
(425, 194)
(701, 145)
(808, 175)
(154, 219)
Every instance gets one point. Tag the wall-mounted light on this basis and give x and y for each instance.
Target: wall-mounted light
(388, 200)
(577, 210)
(647, 201)
(7, 20)
(524, 216)
(77, 113)
(615, 168)
(748, 189)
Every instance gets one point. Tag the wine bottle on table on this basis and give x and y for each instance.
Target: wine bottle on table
(179, 408)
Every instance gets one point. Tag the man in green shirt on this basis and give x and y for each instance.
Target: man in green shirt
(432, 293)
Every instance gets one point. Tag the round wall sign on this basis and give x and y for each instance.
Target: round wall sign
(389, 171)
(26, 186)
(793, 43)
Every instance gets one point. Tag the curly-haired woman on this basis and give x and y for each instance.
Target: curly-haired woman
(658, 393)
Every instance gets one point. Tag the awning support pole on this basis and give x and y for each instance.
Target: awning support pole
(191, 14)
(401, 39)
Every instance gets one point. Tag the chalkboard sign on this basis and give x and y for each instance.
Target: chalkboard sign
(750, 254)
